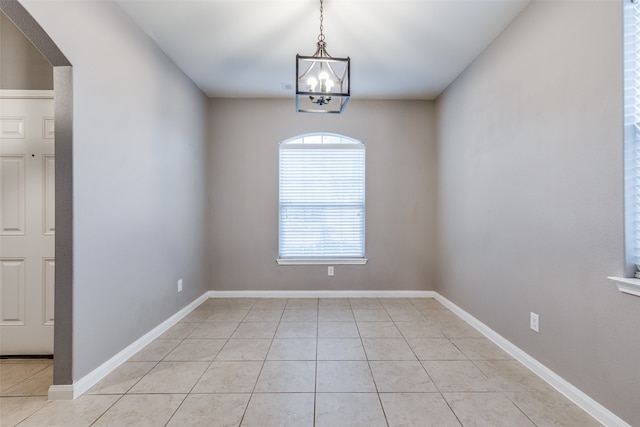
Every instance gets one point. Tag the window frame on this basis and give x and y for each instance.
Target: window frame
(630, 283)
(321, 140)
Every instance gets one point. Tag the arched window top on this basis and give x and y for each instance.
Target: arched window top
(321, 138)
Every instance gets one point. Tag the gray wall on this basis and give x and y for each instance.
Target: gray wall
(21, 65)
(530, 197)
(139, 135)
(400, 194)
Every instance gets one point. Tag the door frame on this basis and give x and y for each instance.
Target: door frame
(63, 123)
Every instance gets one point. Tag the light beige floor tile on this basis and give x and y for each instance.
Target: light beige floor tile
(270, 304)
(365, 304)
(387, 349)
(297, 330)
(229, 303)
(302, 304)
(480, 348)
(365, 315)
(29, 361)
(179, 331)
(256, 330)
(441, 316)
(15, 409)
(551, 409)
(36, 385)
(81, 412)
(292, 349)
(349, 409)
(229, 377)
(378, 330)
(245, 349)
(335, 315)
(257, 315)
(340, 349)
(427, 304)
(202, 308)
(435, 349)
(458, 329)
(486, 409)
(211, 410)
(196, 316)
(344, 377)
(399, 303)
(419, 330)
(334, 304)
(279, 410)
(300, 316)
(228, 315)
(121, 379)
(195, 350)
(155, 351)
(406, 315)
(287, 377)
(12, 373)
(417, 409)
(171, 377)
(457, 376)
(141, 410)
(401, 376)
(218, 330)
(338, 330)
(511, 375)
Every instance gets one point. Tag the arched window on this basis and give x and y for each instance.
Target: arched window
(322, 189)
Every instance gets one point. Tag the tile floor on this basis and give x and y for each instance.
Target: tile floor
(302, 362)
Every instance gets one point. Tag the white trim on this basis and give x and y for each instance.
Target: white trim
(627, 285)
(26, 94)
(596, 410)
(61, 392)
(321, 294)
(68, 392)
(320, 261)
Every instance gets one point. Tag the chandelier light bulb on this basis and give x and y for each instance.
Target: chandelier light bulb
(312, 82)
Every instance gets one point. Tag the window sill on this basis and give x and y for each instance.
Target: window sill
(336, 261)
(627, 285)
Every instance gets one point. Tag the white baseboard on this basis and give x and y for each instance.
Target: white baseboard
(61, 392)
(322, 294)
(585, 402)
(69, 392)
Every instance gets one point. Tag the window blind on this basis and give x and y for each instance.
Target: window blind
(322, 206)
(632, 130)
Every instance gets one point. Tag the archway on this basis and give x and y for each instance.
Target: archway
(63, 117)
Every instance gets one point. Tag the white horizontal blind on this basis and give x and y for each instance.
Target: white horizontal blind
(632, 129)
(322, 209)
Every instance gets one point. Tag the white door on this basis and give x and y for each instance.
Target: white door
(27, 222)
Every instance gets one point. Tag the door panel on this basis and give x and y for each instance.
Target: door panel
(27, 225)
(12, 288)
(49, 197)
(12, 196)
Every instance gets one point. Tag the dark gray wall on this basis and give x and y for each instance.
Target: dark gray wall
(22, 66)
(530, 196)
(139, 181)
(400, 194)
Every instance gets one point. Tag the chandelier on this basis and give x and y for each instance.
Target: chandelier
(322, 82)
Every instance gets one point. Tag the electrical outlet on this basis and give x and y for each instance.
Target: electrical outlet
(534, 322)
(180, 285)
(330, 270)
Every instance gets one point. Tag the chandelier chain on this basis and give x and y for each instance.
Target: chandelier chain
(321, 36)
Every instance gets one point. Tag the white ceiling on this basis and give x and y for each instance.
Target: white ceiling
(399, 49)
